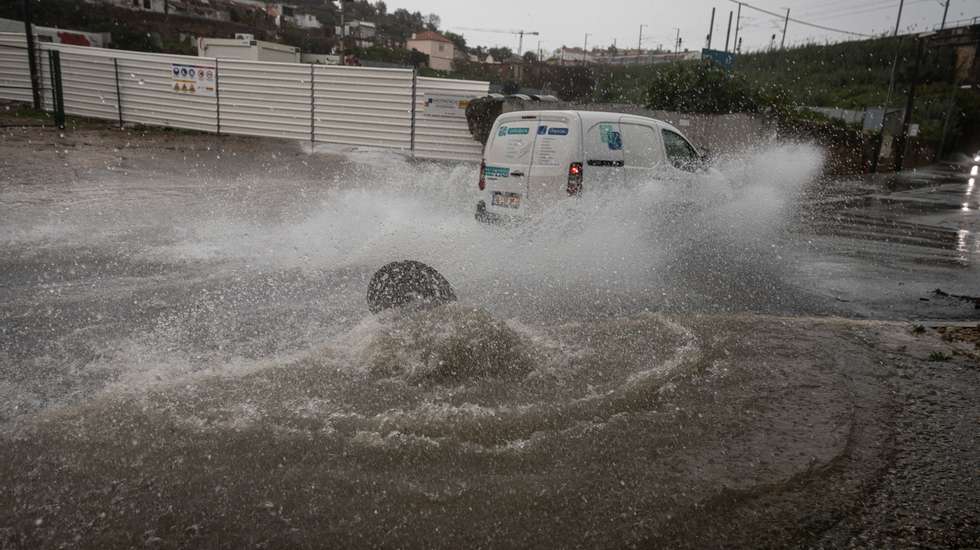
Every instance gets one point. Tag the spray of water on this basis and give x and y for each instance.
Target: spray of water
(643, 239)
(267, 289)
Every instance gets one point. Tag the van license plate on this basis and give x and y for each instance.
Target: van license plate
(507, 200)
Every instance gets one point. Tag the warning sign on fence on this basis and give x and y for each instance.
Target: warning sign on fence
(443, 105)
(193, 80)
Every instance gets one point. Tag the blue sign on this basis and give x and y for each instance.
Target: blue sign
(725, 60)
(558, 131)
(542, 130)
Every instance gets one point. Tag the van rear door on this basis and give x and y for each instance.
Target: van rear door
(556, 146)
(604, 159)
(508, 163)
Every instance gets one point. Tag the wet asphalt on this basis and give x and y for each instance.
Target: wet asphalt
(186, 362)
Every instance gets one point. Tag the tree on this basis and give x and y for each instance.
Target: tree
(530, 57)
(381, 8)
(501, 54)
(432, 22)
(702, 88)
(401, 24)
(457, 40)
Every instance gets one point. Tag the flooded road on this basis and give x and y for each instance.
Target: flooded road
(188, 359)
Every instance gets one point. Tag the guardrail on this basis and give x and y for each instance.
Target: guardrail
(352, 106)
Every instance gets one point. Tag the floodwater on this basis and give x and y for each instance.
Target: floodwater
(188, 359)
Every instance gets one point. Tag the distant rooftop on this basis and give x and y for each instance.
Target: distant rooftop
(429, 35)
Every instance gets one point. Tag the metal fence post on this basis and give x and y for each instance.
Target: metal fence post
(57, 95)
(312, 107)
(415, 76)
(32, 61)
(217, 94)
(115, 64)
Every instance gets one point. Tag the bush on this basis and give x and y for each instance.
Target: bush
(704, 87)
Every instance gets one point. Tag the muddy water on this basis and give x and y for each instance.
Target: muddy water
(188, 361)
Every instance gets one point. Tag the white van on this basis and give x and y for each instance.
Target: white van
(534, 158)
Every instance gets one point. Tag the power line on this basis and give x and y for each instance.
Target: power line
(835, 10)
(799, 22)
(857, 10)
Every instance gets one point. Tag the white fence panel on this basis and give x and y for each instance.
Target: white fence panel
(443, 133)
(88, 84)
(148, 95)
(15, 73)
(364, 106)
(146, 87)
(265, 99)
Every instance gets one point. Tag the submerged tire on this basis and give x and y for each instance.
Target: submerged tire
(401, 283)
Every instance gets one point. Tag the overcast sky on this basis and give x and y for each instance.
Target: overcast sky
(566, 22)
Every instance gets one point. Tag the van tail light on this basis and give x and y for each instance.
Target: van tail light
(483, 175)
(574, 179)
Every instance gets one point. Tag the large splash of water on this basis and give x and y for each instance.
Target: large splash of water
(629, 240)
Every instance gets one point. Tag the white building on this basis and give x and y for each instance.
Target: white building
(59, 36)
(156, 6)
(441, 50)
(304, 21)
(244, 46)
(362, 33)
(188, 8)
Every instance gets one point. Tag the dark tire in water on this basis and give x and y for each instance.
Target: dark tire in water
(400, 283)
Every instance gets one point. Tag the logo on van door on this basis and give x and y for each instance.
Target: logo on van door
(496, 172)
(610, 137)
(502, 131)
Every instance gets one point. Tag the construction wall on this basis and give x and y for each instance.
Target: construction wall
(356, 106)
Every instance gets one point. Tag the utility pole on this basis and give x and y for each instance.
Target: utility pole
(782, 44)
(888, 96)
(639, 42)
(738, 22)
(898, 21)
(343, 32)
(950, 105)
(728, 33)
(902, 143)
(945, 11)
(520, 42)
(711, 28)
(677, 41)
(31, 55)
(585, 48)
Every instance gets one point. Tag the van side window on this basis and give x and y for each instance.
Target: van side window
(641, 145)
(680, 153)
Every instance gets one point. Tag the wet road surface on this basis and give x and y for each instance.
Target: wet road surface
(188, 361)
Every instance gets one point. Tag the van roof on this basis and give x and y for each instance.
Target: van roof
(590, 117)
